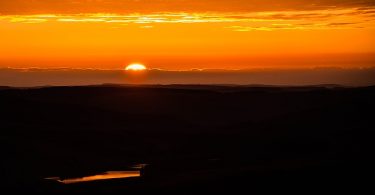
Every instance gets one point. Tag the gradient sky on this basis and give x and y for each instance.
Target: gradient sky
(186, 34)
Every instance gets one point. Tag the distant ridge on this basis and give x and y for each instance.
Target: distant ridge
(196, 87)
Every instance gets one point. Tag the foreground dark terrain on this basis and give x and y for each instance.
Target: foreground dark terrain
(194, 139)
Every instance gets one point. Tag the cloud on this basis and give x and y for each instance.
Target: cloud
(19, 7)
(241, 22)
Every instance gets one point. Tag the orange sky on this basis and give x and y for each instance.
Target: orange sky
(176, 34)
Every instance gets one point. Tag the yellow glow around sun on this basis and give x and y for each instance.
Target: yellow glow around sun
(136, 67)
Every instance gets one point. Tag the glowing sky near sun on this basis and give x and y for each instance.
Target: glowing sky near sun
(176, 34)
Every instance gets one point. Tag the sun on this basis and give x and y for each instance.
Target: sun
(136, 67)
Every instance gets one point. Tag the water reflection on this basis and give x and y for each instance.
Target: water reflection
(103, 176)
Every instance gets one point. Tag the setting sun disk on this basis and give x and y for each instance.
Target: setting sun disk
(136, 67)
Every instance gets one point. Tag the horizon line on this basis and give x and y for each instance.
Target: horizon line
(189, 70)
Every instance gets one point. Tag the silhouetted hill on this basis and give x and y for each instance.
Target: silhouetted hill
(194, 138)
(4, 87)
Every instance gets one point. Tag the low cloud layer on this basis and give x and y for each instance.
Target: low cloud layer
(70, 77)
